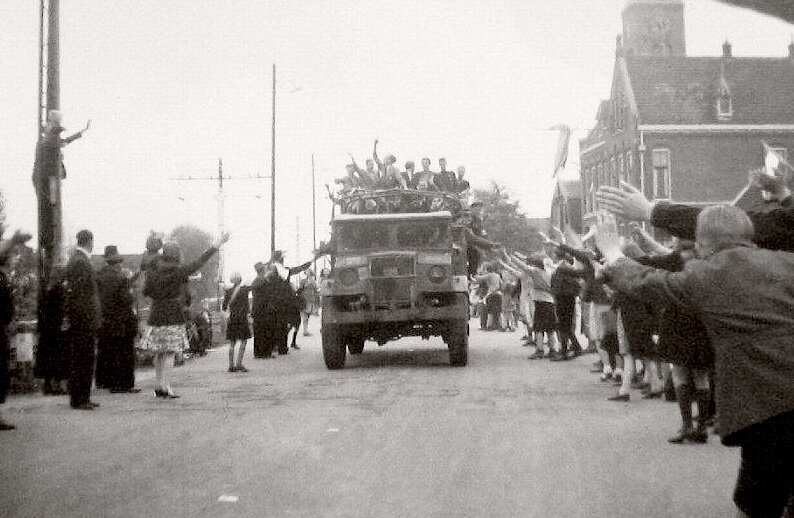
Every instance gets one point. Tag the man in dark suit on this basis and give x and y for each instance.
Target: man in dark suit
(116, 354)
(83, 313)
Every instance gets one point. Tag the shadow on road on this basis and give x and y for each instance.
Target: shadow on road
(376, 357)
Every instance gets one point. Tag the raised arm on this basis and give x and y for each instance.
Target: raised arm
(628, 276)
(68, 140)
(648, 244)
(514, 271)
(195, 265)
(376, 158)
(297, 269)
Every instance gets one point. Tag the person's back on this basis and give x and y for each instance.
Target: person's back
(541, 284)
(563, 284)
(747, 290)
(744, 297)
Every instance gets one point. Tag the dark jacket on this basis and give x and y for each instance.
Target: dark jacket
(6, 311)
(683, 339)
(239, 308)
(273, 299)
(565, 282)
(744, 297)
(118, 318)
(447, 181)
(166, 285)
(82, 305)
(774, 229)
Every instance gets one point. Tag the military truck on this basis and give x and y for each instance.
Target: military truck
(398, 268)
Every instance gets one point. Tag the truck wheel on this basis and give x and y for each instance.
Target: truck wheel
(355, 345)
(333, 348)
(458, 343)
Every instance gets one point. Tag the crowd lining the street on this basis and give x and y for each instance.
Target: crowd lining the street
(711, 313)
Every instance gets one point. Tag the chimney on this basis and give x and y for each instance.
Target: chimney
(727, 52)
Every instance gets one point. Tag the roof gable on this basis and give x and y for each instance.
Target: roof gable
(682, 90)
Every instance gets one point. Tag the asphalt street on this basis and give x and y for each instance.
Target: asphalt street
(398, 432)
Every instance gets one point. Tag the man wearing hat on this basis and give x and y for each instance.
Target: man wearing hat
(118, 328)
(83, 313)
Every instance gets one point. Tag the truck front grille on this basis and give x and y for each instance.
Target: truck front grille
(391, 293)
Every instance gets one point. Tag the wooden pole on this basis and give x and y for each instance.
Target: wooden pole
(314, 214)
(273, 171)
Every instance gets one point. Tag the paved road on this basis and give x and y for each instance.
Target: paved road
(396, 433)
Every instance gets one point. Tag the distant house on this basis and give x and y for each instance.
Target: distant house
(685, 128)
(566, 205)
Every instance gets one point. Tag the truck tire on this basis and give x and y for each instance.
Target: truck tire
(333, 348)
(458, 343)
(355, 345)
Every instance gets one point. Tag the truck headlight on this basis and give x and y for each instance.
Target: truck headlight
(437, 274)
(348, 276)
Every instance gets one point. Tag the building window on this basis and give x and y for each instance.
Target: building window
(661, 173)
(724, 106)
(782, 152)
(596, 176)
(622, 168)
(613, 172)
(629, 165)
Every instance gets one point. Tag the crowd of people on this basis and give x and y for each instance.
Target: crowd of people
(709, 317)
(383, 175)
(90, 330)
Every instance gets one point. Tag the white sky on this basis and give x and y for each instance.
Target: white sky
(173, 86)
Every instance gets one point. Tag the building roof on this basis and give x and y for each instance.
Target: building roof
(682, 90)
(782, 10)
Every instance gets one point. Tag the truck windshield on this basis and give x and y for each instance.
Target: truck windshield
(424, 234)
(362, 235)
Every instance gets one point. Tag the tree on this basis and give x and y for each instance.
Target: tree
(504, 221)
(193, 241)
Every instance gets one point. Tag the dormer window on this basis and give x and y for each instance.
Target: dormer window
(722, 96)
(724, 106)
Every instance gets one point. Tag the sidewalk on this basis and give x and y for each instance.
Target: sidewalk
(143, 377)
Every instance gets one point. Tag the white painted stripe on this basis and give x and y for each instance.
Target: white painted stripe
(395, 215)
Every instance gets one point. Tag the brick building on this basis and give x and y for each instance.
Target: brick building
(685, 128)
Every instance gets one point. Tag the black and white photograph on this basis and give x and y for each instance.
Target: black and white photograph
(397, 258)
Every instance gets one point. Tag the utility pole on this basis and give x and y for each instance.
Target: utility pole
(314, 214)
(273, 171)
(297, 236)
(221, 206)
(221, 229)
(48, 188)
